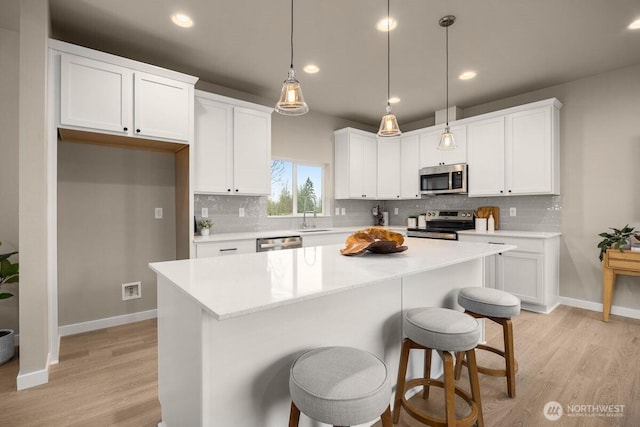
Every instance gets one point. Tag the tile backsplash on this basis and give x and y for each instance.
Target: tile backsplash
(533, 213)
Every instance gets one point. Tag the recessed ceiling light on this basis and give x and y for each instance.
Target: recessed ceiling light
(467, 75)
(635, 25)
(386, 24)
(311, 68)
(394, 100)
(182, 20)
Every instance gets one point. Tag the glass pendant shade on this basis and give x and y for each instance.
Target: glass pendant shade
(446, 140)
(291, 102)
(389, 124)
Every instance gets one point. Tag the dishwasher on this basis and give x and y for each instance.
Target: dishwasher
(278, 243)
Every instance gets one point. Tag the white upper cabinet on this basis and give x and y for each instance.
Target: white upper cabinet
(429, 141)
(486, 157)
(516, 152)
(95, 94)
(161, 107)
(388, 168)
(355, 164)
(232, 146)
(409, 167)
(105, 97)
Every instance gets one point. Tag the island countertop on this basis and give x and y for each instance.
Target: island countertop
(229, 287)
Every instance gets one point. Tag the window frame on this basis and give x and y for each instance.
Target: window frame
(294, 185)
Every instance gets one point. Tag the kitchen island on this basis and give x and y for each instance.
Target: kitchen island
(229, 327)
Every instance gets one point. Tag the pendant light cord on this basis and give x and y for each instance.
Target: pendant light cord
(447, 54)
(388, 53)
(292, 34)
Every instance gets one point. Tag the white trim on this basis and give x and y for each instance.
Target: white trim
(596, 306)
(92, 325)
(32, 379)
(539, 308)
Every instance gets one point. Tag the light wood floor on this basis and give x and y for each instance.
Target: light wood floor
(109, 377)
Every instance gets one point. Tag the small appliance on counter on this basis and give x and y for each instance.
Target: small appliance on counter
(443, 224)
(487, 211)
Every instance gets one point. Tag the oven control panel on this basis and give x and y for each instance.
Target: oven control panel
(464, 215)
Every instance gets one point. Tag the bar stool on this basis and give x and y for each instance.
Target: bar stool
(342, 386)
(500, 307)
(446, 331)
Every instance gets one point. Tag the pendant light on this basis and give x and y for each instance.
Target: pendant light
(446, 140)
(291, 102)
(389, 123)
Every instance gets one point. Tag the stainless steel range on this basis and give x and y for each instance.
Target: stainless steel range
(443, 224)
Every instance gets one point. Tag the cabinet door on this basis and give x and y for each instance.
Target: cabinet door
(430, 155)
(529, 152)
(95, 95)
(231, 247)
(388, 176)
(161, 107)
(521, 273)
(251, 151)
(369, 168)
(356, 166)
(485, 155)
(213, 147)
(409, 167)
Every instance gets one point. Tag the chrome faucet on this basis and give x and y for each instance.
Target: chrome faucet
(304, 215)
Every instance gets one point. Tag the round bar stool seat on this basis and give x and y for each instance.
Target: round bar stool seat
(342, 386)
(446, 331)
(500, 307)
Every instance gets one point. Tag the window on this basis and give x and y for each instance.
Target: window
(295, 188)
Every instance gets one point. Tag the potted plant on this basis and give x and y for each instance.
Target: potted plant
(8, 274)
(619, 239)
(205, 225)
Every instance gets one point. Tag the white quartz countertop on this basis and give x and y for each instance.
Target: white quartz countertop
(237, 285)
(511, 233)
(222, 237)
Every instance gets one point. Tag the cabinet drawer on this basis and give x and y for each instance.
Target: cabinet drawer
(230, 247)
(524, 245)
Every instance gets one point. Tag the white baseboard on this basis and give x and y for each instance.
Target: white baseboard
(596, 306)
(32, 379)
(92, 325)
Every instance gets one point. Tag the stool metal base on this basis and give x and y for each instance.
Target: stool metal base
(511, 365)
(474, 401)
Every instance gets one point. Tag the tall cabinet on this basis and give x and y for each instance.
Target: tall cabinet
(232, 146)
(356, 161)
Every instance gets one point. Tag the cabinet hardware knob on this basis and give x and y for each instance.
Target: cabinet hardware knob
(228, 189)
(125, 129)
(500, 253)
(501, 191)
(137, 130)
(236, 190)
(398, 196)
(509, 191)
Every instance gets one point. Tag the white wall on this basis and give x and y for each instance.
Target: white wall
(107, 233)
(600, 157)
(9, 82)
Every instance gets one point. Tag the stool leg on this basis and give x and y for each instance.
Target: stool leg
(507, 329)
(427, 371)
(459, 359)
(475, 384)
(294, 415)
(449, 388)
(402, 373)
(386, 418)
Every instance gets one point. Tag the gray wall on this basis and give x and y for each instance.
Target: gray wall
(107, 233)
(9, 83)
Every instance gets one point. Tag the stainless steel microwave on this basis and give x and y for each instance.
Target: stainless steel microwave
(447, 179)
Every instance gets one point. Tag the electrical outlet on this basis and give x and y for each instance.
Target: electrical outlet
(131, 290)
(343, 211)
(337, 211)
(395, 211)
(512, 211)
(158, 214)
(241, 212)
(205, 213)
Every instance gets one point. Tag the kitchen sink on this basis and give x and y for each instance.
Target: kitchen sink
(313, 230)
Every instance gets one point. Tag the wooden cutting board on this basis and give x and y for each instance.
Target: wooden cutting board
(485, 211)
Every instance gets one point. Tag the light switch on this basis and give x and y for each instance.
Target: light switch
(395, 211)
(241, 212)
(158, 213)
(344, 211)
(512, 211)
(337, 211)
(205, 213)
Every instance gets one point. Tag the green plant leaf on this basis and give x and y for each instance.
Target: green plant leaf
(5, 295)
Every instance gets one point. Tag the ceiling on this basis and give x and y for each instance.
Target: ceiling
(515, 46)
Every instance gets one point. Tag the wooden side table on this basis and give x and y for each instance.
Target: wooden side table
(614, 263)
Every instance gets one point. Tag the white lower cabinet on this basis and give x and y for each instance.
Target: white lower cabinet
(530, 272)
(228, 247)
